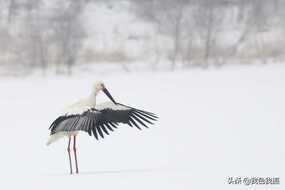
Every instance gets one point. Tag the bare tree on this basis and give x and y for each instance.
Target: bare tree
(68, 33)
(150, 11)
(35, 26)
(208, 18)
(12, 10)
(259, 21)
(173, 18)
(168, 18)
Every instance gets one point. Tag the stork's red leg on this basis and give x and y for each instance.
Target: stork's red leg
(75, 155)
(68, 150)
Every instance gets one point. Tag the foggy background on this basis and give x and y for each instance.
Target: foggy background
(56, 36)
(210, 69)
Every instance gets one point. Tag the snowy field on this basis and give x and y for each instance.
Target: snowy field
(213, 124)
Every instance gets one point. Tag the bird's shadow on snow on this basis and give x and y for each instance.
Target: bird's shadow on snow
(125, 171)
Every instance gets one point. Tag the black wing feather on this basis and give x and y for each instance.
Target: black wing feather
(104, 129)
(98, 122)
(113, 125)
(100, 131)
(95, 132)
(133, 122)
(141, 117)
(137, 119)
(146, 115)
(109, 127)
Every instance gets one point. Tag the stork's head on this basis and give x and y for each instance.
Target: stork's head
(99, 86)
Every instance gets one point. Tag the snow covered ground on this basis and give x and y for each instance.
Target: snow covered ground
(213, 124)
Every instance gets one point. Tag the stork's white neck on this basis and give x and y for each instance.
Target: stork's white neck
(92, 98)
(95, 91)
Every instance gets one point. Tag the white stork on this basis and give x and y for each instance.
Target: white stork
(87, 116)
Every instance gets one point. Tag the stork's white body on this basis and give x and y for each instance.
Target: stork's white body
(81, 106)
(76, 108)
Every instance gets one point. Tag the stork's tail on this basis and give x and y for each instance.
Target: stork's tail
(53, 138)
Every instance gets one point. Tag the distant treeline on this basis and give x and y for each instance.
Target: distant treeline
(51, 34)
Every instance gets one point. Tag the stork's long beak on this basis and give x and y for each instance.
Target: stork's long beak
(109, 95)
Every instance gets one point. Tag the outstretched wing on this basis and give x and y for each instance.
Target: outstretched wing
(104, 119)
